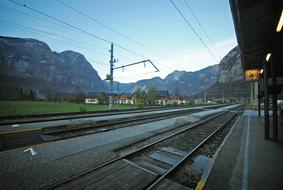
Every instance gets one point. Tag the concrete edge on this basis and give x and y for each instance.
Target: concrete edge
(206, 174)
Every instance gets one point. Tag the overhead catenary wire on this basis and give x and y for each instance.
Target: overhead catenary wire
(201, 27)
(83, 31)
(45, 20)
(75, 27)
(45, 34)
(30, 15)
(113, 30)
(60, 21)
(194, 31)
(50, 35)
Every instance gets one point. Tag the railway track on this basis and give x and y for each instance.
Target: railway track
(148, 167)
(12, 140)
(19, 119)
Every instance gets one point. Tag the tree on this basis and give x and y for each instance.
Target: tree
(31, 95)
(102, 98)
(140, 97)
(152, 95)
(78, 96)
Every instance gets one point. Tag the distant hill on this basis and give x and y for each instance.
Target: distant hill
(185, 83)
(30, 63)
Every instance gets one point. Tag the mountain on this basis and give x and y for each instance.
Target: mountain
(30, 63)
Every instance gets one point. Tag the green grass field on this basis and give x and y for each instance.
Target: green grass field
(29, 107)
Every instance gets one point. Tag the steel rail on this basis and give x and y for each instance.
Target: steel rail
(19, 119)
(76, 130)
(197, 124)
(105, 123)
(156, 182)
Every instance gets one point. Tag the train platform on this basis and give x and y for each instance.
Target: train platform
(246, 160)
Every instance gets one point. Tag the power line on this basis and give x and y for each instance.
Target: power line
(34, 30)
(194, 31)
(49, 35)
(201, 27)
(113, 30)
(74, 27)
(26, 14)
(83, 31)
(63, 22)
(42, 19)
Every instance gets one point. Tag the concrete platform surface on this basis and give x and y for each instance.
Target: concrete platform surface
(246, 160)
(213, 111)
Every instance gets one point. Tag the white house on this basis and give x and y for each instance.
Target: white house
(91, 101)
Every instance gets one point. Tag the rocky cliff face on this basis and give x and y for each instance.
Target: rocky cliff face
(230, 68)
(34, 65)
(230, 80)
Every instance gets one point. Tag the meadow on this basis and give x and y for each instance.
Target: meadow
(43, 107)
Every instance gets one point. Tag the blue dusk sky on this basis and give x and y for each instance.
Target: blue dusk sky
(155, 24)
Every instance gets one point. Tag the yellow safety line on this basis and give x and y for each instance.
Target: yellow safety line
(200, 185)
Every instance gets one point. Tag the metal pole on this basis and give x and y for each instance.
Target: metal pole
(252, 92)
(205, 97)
(118, 92)
(111, 77)
(274, 101)
(258, 97)
(266, 102)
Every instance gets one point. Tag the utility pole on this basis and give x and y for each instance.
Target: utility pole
(112, 61)
(110, 77)
(118, 91)
(205, 97)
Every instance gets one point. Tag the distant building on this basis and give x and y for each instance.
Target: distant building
(198, 101)
(134, 98)
(177, 99)
(91, 101)
(125, 98)
(163, 98)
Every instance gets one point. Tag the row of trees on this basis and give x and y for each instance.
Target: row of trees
(78, 96)
(16, 93)
(55, 96)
